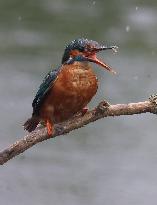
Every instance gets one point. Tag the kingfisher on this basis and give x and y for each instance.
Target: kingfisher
(66, 91)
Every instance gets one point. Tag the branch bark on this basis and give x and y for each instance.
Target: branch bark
(101, 111)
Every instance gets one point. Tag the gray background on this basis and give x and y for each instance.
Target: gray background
(112, 161)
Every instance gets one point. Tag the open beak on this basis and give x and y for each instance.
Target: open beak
(93, 58)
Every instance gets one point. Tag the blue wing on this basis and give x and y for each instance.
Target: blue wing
(43, 89)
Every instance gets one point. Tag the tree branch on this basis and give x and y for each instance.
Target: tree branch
(101, 111)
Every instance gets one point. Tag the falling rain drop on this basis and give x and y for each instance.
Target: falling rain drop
(136, 8)
(127, 28)
(153, 53)
(135, 77)
(19, 18)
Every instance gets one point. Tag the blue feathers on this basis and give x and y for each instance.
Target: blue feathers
(43, 90)
(78, 44)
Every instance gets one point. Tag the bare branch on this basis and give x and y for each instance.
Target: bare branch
(101, 111)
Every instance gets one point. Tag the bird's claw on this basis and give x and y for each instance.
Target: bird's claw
(84, 111)
(59, 128)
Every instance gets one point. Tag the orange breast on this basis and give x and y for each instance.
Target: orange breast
(72, 91)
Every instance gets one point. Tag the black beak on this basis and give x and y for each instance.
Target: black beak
(102, 48)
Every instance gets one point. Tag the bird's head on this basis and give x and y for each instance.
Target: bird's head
(84, 50)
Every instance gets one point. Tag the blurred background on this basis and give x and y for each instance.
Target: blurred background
(112, 161)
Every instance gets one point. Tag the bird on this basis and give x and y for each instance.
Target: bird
(67, 90)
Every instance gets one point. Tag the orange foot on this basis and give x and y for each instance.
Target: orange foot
(50, 128)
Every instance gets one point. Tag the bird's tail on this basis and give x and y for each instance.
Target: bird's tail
(31, 123)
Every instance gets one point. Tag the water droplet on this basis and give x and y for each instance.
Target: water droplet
(94, 2)
(136, 8)
(19, 18)
(153, 53)
(115, 49)
(127, 28)
(135, 77)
